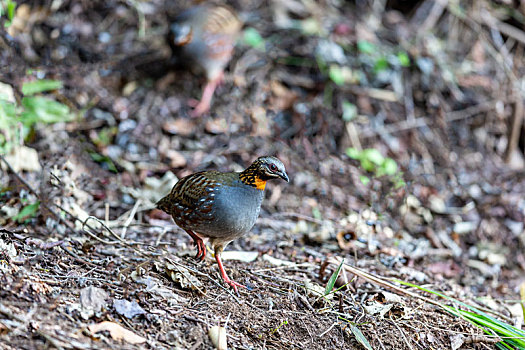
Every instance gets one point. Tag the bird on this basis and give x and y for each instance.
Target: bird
(203, 37)
(221, 206)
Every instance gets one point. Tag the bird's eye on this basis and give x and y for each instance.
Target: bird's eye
(273, 167)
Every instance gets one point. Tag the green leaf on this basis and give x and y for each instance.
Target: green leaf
(7, 110)
(380, 65)
(364, 179)
(105, 136)
(373, 155)
(367, 164)
(253, 38)
(399, 182)
(99, 158)
(32, 87)
(403, 59)
(336, 74)
(366, 47)
(44, 110)
(11, 6)
(349, 111)
(390, 166)
(331, 282)
(360, 337)
(353, 153)
(27, 212)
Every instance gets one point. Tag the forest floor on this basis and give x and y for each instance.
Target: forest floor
(343, 93)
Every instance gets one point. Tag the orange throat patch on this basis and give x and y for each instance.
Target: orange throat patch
(260, 184)
(249, 178)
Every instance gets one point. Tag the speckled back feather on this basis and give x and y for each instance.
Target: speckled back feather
(222, 19)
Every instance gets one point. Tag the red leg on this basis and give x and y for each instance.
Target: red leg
(201, 247)
(204, 105)
(225, 277)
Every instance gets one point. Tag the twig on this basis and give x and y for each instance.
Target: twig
(159, 238)
(409, 98)
(402, 334)
(328, 330)
(5, 311)
(380, 282)
(353, 135)
(433, 16)
(472, 339)
(404, 125)
(76, 257)
(516, 126)
(205, 274)
(505, 28)
(123, 241)
(130, 218)
(378, 94)
(299, 216)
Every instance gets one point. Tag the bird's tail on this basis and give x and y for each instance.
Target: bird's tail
(164, 205)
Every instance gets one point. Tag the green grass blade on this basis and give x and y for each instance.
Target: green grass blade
(331, 282)
(360, 337)
(511, 336)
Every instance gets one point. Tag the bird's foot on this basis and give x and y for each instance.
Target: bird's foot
(193, 102)
(234, 284)
(199, 107)
(201, 249)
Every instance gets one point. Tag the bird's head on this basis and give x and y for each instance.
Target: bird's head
(264, 169)
(181, 34)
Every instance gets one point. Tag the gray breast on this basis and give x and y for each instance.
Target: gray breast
(235, 210)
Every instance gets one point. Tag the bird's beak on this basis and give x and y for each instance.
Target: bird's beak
(284, 176)
(182, 35)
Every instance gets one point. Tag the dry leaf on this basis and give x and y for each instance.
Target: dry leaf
(315, 290)
(23, 159)
(117, 332)
(183, 277)
(277, 262)
(3, 329)
(457, 341)
(282, 98)
(377, 308)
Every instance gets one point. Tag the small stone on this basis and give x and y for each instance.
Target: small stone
(464, 227)
(218, 337)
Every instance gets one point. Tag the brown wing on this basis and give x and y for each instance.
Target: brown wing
(191, 199)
